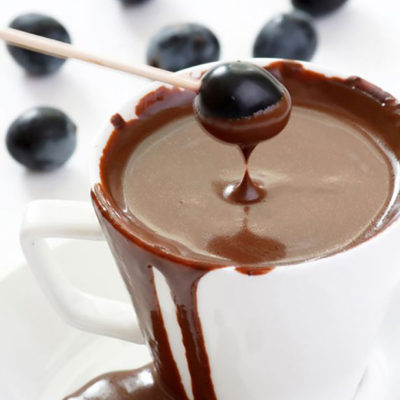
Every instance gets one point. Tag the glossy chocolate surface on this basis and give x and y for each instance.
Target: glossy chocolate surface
(177, 186)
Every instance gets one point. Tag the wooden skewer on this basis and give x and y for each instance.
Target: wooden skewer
(64, 50)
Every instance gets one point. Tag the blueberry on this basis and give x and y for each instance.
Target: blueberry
(42, 138)
(241, 103)
(181, 46)
(35, 63)
(236, 90)
(290, 35)
(318, 7)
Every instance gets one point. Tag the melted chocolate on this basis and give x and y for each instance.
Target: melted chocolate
(245, 192)
(124, 385)
(139, 250)
(117, 121)
(247, 133)
(177, 178)
(247, 247)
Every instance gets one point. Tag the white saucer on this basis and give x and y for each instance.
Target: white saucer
(42, 358)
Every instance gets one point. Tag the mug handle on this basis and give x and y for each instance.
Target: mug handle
(45, 219)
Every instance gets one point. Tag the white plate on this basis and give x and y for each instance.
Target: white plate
(42, 358)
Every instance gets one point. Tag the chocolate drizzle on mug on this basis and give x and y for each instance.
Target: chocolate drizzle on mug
(123, 385)
(143, 255)
(137, 267)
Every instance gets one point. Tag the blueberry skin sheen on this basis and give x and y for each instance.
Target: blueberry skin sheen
(35, 63)
(318, 7)
(290, 35)
(237, 90)
(180, 46)
(42, 138)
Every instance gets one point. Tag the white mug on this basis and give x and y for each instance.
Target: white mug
(301, 332)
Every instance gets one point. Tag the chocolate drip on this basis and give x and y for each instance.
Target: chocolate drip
(246, 151)
(246, 192)
(117, 121)
(247, 133)
(183, 283)
(123, 385)
(157, 336)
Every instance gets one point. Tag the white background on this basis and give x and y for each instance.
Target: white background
(362, 39)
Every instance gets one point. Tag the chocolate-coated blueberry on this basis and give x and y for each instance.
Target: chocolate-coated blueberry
(236, 90)
(318, 7)
(290, 35)
(35, 63)
(42, 138)
(181, 46)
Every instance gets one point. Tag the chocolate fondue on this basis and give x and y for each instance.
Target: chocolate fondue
(330, 181)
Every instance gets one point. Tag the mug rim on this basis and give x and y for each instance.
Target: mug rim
(127, 111)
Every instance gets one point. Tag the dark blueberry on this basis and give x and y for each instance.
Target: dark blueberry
(290, 35)
(181, 46)
(132, 2)
(42, 138)
(318, 7)
(236, 90)
(35, 63)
